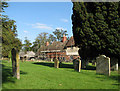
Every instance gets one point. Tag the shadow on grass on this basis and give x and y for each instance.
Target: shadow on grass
(7, 74)
(113, 77)
(45, 64)
(61, 65)
(117, 78)
(89, 67)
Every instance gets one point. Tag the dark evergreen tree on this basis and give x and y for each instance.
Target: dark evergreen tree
(95, 28)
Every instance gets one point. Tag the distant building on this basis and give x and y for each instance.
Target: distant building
(64, 51)
(28, 56)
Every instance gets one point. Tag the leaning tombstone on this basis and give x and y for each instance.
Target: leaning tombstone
(103, 65)
(15, 64)
(77, 64)
(56, 63)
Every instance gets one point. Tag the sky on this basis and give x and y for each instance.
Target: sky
(33, 18)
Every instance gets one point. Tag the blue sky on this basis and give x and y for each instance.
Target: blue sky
(33, 18)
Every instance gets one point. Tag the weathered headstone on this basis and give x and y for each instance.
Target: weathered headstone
(103, 65)
(15, 64)
(56, 63)
(77, 64)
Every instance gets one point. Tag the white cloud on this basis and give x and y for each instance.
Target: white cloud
(61, 28)
(64, 20)
(41, 26)
(25, 31)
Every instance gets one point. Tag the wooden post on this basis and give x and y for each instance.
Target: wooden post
(15, 64)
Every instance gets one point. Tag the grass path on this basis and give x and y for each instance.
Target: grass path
(39, 75)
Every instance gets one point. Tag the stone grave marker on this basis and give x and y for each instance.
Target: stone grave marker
(56, 63)
(114, 64)
(84, 63)
(77, 64)
(15, 64)
(103, 65)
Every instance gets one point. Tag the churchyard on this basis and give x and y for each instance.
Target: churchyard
(87, 59)
(43, 75)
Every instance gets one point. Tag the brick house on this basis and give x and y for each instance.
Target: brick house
(64, 51)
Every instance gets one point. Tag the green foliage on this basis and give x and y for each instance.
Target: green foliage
(44, 37)
(41, 40)
(59, 34)
(27, 45)
(3, 5)
(9, 34)
(51, 38)
(96, 28)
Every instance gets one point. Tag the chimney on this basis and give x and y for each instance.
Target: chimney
(64, 38)
(47, 43)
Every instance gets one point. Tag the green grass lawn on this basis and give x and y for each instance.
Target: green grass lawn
(42, 75)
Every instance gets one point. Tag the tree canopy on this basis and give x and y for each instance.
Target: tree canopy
(59, 34)
(9, 34)
(27, 45)
(44, 37)
(96, 28)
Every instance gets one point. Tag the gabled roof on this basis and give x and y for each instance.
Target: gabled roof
(70, 42)
(28, 54)
(55, 46)
(21, 54)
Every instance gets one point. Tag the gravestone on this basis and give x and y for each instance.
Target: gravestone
(77, 64)
(56, 63)
(103, 65)
(15, 64)
(114, 63)
(93, 62)
(84, 63)
(23, 59)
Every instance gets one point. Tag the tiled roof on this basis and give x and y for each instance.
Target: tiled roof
(70, 42)
(55, 46)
